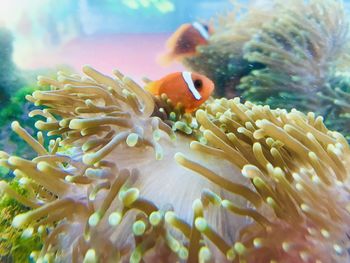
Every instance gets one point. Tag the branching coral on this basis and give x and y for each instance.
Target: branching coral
(261, 185)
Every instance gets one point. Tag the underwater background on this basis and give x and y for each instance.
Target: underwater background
(45, 36)
(97, 167)
(50, 33)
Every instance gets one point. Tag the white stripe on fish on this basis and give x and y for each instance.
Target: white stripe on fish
(201, 29)
(188, 79)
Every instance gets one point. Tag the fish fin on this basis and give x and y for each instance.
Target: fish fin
(152, 87)
(190, 110)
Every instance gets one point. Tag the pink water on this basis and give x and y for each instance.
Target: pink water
(133, 54)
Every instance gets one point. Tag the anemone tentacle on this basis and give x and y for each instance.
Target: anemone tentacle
(247, 183)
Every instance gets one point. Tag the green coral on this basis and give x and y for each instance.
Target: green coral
(10, 77)
(14, 247)
(4, 173)
(17, 109)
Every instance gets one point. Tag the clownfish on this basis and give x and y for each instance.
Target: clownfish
(189, 89)
(184, 40)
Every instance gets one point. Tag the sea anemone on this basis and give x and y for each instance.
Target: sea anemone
(335, 100)
(299, 48)
(222, 58)
(243, 183)
(15, 246)
(283, 46)
(281, 54)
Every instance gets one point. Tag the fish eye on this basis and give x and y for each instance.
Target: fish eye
(198, 84)
(206, 27)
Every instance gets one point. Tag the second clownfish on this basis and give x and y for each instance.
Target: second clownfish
(184, 41)
(189, 89)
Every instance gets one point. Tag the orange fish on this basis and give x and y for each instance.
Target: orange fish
(184, 41)
(189, 89)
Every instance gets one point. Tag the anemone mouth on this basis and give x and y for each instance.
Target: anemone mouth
(234, 182)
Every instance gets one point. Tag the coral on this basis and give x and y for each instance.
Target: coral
(15, 245)
(10, 78)
(17, 109)
(260, 185)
